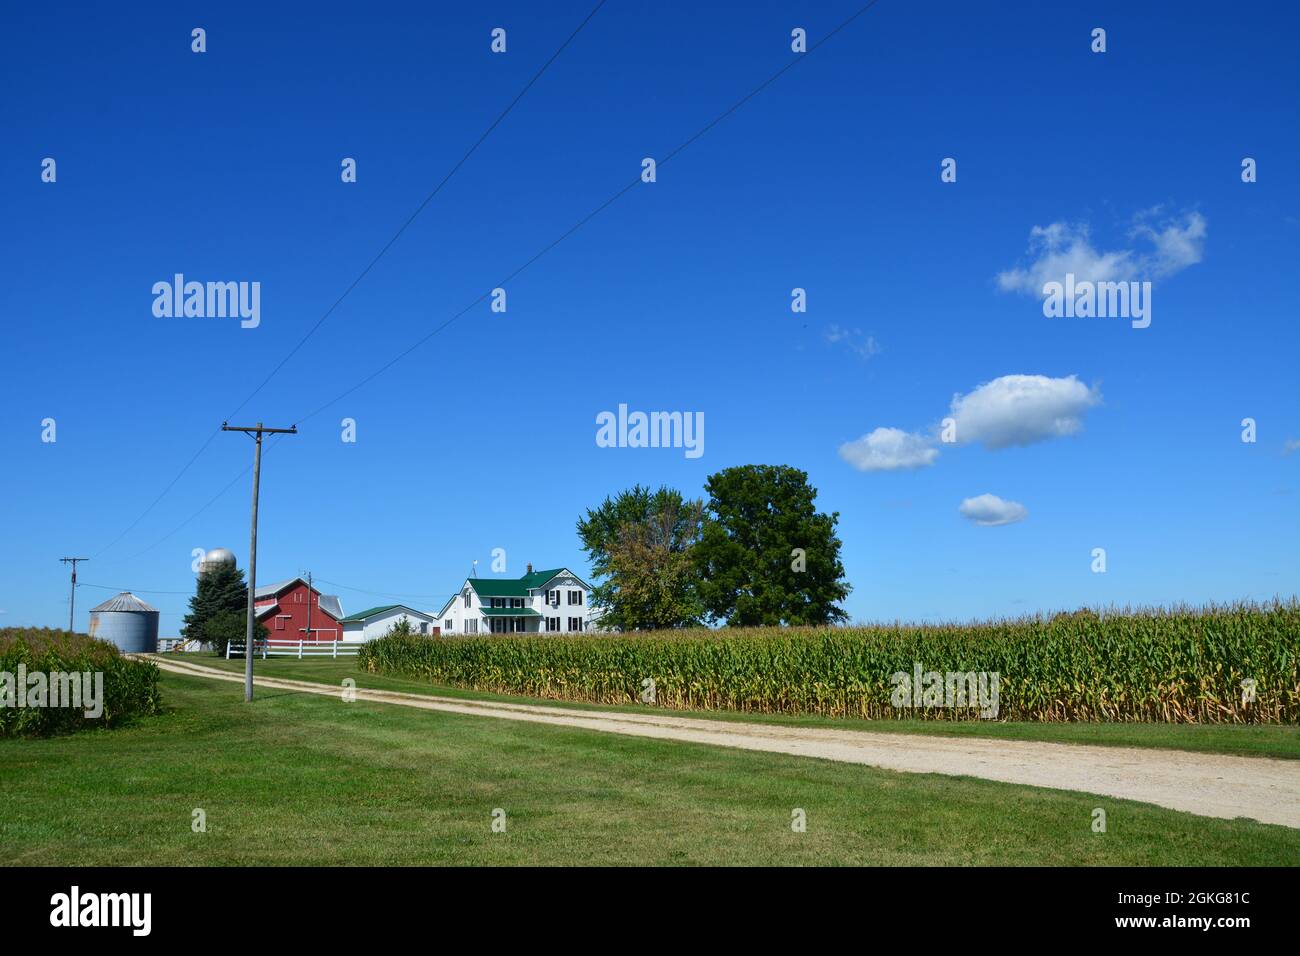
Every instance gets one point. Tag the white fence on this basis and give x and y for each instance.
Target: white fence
(169, 645)
(298, 649)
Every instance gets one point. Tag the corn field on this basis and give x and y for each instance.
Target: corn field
(1173, 666)
(130, 687)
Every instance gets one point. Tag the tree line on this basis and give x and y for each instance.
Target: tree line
(754, 552)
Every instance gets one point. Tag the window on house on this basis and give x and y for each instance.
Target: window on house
(471, 625)
(498, 602)
(516, 602)
(467, 598)
(449, 625)
(424, 627)
(279, 624)
(552, 623)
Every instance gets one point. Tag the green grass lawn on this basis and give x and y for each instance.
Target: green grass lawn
(305, 779)
(1268, 740)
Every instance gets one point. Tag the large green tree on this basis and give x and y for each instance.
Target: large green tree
(640, 545)
(219, 589)
(766, 555)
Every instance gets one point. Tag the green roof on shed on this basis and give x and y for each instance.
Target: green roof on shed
(372, 611)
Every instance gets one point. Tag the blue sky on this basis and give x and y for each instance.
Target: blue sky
(225, 166)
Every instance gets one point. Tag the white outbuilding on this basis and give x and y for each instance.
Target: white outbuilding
(377, 621)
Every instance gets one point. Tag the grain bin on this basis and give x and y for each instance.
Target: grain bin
(126, 621)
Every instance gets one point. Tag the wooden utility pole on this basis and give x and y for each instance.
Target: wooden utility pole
(72, 596)
(257, 431)
(309, 605)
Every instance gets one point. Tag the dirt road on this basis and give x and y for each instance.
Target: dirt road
(1212, 785)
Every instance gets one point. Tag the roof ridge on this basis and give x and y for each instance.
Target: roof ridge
(379, 609)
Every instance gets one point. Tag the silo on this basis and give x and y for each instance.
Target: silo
(215, 558)
(126, 621)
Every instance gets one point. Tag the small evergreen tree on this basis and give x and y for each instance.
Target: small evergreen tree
(219, 589)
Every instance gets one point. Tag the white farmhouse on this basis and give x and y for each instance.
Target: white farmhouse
(376, 621)
(547, 602)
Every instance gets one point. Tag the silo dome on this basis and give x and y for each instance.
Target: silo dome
(215, 558)
(126, 621)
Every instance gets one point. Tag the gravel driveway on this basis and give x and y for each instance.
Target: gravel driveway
(1212, 785)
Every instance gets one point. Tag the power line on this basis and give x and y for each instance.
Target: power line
(668, 157)
(419, 209)
(587, 218)
(346, 587)
(171, 484)
(109, 587)
(364, 272)
(211, 502)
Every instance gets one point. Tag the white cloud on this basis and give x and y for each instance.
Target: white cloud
(864, 345)
(1062, 248)
(889, 449)
(1010, 411)
(1178, 243)
(990, 511)
(1017, 410)
(1292, 445)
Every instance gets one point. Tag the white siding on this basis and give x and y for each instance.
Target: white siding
(453, 619)
(377, 625)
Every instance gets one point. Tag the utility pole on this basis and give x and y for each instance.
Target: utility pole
(72, 596)
(257, 431)
(309, 605)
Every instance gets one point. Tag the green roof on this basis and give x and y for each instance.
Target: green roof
(512, 587)
(499, 587)
(538, 578)
(508, 612)
(517, 587)
(372, 611)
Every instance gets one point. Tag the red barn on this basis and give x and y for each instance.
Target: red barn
(282, 607)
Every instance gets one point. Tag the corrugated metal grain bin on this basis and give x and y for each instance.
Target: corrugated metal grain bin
(126, 621)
